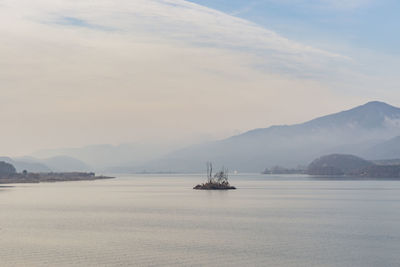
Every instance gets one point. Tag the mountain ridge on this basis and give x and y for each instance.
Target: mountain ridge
(289, 145)
(370, 107)
(359, 131)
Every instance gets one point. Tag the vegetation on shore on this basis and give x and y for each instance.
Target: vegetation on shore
(218, 181)
(345, 165)
(282, 170)
(8, 175)
(353, 166)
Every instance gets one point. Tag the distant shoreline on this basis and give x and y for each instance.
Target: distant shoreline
(51, 177)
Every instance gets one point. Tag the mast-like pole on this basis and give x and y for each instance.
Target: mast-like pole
(210, 171)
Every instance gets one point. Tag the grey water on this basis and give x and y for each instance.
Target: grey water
(158, 220)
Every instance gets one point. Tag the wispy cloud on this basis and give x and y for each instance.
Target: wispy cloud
(167, 66)
(345, 4)
(77, 22)
(73, 21)
(198, 25)
(327, 4)
(250, 5)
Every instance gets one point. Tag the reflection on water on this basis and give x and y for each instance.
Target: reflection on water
(159, 220)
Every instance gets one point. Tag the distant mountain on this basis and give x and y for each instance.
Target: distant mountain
(389, 149)
(108, 157)
(31, 165)
(363, 131)
(66, 164)
(372, 116)
(55, 164)
(349, 131)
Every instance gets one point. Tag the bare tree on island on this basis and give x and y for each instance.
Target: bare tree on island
(222, 176)
(209, 172)
(217, 182)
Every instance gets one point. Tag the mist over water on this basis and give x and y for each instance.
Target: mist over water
(159, 220)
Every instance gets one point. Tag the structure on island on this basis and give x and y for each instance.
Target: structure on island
(218, 181)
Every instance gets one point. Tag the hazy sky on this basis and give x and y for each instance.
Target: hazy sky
(110, 71)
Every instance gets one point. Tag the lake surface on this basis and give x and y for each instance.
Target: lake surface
(158, 220)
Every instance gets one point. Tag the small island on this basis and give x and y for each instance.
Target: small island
(218, 181)
(9, 175)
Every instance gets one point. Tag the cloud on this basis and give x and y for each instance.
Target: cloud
(74, 22)
(250, 5)
(183, 21)
(337, 5)
(77, 22)
(345, 4)
(167, 70)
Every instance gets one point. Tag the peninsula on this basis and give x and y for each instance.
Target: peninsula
(352, 166)
(9, 175)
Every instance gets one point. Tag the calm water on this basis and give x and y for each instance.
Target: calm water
(161, 221)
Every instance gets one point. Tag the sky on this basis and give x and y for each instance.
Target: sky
(76, 73)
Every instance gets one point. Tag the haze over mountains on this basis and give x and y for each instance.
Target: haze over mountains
(105, 157)
(359, 131)
(54, 164)
(371, 131)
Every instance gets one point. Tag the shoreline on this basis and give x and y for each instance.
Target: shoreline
(34, 178)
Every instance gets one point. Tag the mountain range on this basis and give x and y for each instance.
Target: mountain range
(371, 131)
(367, 130)
(52, 164)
